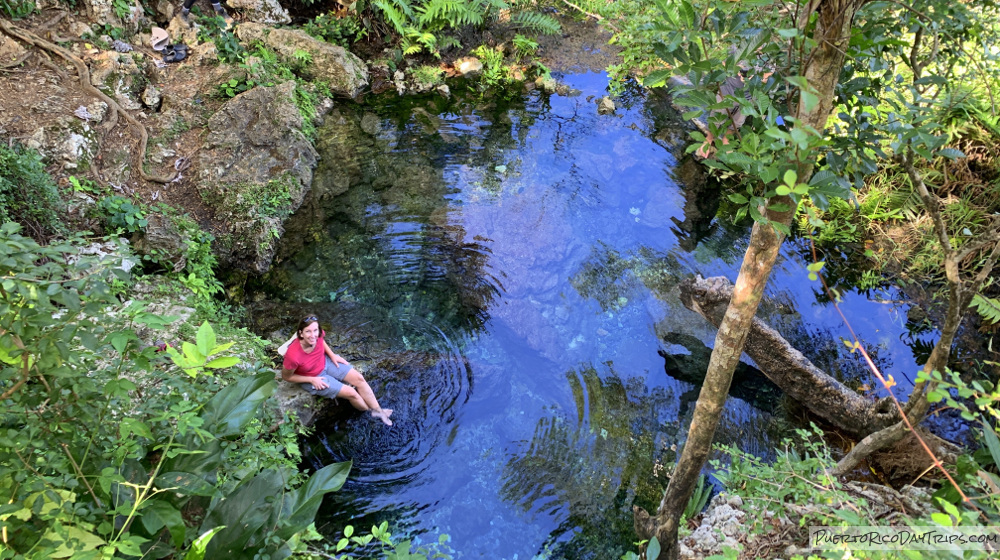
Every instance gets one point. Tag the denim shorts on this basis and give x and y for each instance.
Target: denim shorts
(334, 375)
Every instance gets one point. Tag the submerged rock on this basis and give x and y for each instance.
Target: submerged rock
(605, 106)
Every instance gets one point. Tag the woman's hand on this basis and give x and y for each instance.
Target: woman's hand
(336, 359)
(318, 384)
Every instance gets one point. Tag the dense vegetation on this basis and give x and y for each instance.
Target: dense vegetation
(110, 447)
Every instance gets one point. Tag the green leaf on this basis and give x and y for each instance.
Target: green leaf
(656, 78)
(298, 508)
(232, 408)
(186, 483)
(809, 100)
(653, 549)
(82, 541)
(158, 514)
(790, 177)
(246, 511)
(992, 442)
(224, 362)
(782, 190)
(951, 153)
(200, 545)
(193, 356)
(738, 198)
(119, 341)
(205, 339)
(131, 425)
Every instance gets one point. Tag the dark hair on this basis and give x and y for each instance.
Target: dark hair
(308, 320)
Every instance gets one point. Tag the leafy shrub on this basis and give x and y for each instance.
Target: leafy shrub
(121, 214)
(27, 193)
(92, 466)
(421, 25)
(17, 9)
(330, 27)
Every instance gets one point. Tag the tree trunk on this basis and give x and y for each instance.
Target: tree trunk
(822, 71)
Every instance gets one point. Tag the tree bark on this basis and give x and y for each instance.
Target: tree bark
(821, 69)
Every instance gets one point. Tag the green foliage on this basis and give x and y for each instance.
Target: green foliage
(699, 498)
(428, 76)
(377, 543)
(524, 46)
(235, 86)
(330, 27)
(838, 224)
(122, 215)
(17, 9)
(27, 193)
(112, 449)
(227, 47)
(536, 22)
(987, 307)
(122, 8)
(423, 25)
(495, 73)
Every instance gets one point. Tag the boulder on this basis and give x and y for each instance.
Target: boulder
(261, 11)
(254, 169)
(120, 76)
(104, 12)
(469, 66)
(605, 106)
(164, 241)
(10, 49)
(343, 72)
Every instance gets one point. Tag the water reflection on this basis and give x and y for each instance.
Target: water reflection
(517, 263)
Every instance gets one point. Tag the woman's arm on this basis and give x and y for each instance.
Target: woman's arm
(333, 357)
(292, 377)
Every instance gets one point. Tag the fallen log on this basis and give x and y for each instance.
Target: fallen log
(797, 377)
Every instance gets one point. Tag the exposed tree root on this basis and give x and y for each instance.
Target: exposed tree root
(84, 75)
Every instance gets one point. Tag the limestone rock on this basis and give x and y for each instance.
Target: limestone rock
(103, 12)
(605, 106)
(345, 73)
(204, 54)
(10, 49)
(151, 97)
(469, 66)
(262, 11)
(119, 75)
(255, 150)
(163, 239)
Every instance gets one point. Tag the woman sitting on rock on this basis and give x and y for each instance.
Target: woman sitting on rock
(313, 365)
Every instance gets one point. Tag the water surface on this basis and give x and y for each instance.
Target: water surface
(523, 255)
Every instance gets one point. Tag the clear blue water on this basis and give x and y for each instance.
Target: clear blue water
(531, 249)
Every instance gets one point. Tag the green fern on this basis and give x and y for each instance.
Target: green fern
(988, 308)
(399, 13)
(536, 22)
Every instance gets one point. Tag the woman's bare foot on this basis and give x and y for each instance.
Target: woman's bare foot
(383, 416)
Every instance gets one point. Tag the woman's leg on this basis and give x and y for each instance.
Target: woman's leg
(349, 394)
(355, 378)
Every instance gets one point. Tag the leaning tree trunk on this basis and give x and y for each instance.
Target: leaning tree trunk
(792, 372)
(822, 70)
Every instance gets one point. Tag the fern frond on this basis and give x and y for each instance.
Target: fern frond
(536, 22)
(390, 12)
(443, 9)
(988, 308)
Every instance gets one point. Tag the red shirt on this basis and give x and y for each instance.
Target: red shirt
(309, 364)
